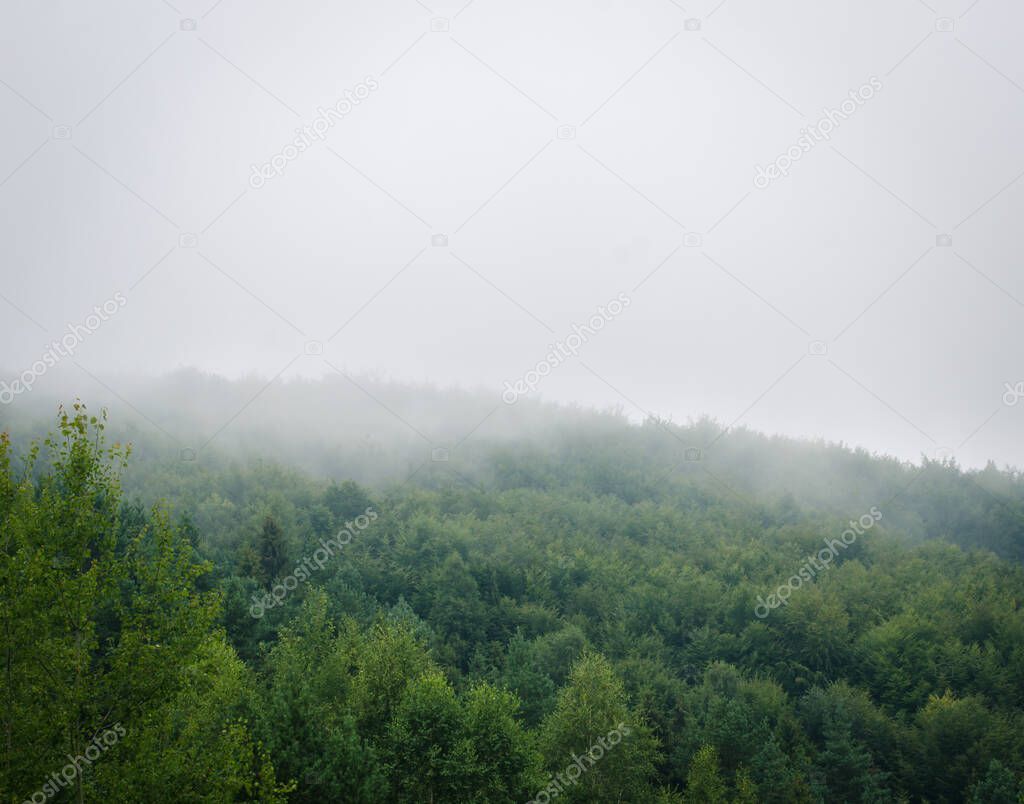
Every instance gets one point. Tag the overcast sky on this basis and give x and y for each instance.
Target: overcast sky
(512, 167)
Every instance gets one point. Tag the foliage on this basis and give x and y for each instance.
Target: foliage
(492, 625)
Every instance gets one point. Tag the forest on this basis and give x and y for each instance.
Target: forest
(586, 609)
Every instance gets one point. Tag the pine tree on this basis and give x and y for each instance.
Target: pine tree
(272, 552)
(847, 764)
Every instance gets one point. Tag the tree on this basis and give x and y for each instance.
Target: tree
(704, 783)
(593, 729)
(306, 720)
(846, 764)
(440, 747)
(534, 688)
(956, 737)
(346, 501)
(101, 622)
(746, 790)
(427, 752)
(777, 782)
(507, 767)
(383, 665)
(196, 746)
(997, 787)
(272, 552)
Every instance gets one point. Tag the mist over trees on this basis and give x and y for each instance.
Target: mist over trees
(380, 433)
(564, 605)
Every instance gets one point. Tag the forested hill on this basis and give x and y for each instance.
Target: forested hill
(729, 617)
(381, 433)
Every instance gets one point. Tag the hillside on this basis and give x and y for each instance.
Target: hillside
(748, 618)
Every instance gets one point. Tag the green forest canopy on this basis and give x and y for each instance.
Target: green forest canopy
(488, 619)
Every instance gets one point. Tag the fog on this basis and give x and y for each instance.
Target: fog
(484, 187)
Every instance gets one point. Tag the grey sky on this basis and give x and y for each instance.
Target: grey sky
(895, 244)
